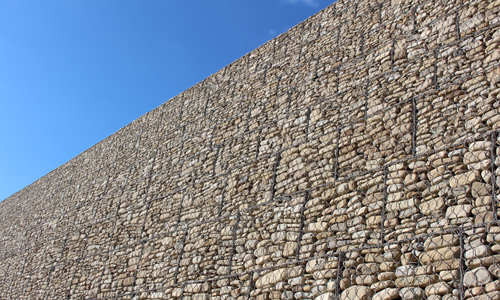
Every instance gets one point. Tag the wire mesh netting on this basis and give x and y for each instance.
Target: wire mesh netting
(354, 157)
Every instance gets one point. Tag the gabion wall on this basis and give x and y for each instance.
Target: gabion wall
(354, 157)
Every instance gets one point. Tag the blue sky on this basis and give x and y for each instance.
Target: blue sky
(74, 72)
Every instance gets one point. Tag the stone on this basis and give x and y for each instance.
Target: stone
(388, 266)
(411, 293)
(449, 275)
(201, 297)
(494, 270)
(290, 249)
(317, 227)
(193, 288)
(433, 297)
(440, 241)
(463, 179)
(480, 145)
(432, 206)
(476, 156)
(492, 286)
(386, 276)
(325, 296)
(271, 278)
(378, 286)
(177, 293)
(297, 281)
(480, 189)
(357, 292)
(441, 254)
(128, 281)
(315, 264)
(495, 295)
(366, 279)
(223, 270)
(325, 274)
(404, 271)
(440, 288)
(458, 211)
(386, 294)
(368, 269)
(157, 295)
(416, 281)
(477, 277)
(478, 252)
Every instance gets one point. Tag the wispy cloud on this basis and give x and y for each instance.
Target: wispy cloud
(307, 2)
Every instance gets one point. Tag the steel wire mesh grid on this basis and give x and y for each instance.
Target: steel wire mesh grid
(355, 157)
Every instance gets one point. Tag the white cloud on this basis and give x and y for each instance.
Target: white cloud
(307, 2)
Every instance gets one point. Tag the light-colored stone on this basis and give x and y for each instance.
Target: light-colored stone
(357, 292)
(290, 249)
(177, 293)
(416, 281)
(440, 254)
(463, 179)
(386, 294)
(458, 211)
(478, 252)
(440, 288)
(432, 206)
(404, 271)
(315, 264)
(477, 277)
(325, 296)
(440, 241)
(411, 293)
(271, 278)
(317, 227)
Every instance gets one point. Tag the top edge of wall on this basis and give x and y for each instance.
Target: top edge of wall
(337, 6)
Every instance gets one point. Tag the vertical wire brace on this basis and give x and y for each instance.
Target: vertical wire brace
(340, 270)
(180, 256)
(434, 79)
(257, 151)
(393, 51)
(275, 170)
(307, 197)
(144, 241)
(337, 151)
(493, 137)
(308, 118)
(414, 127)
(457, 25)
(217, 154)
(233, 242)
(384, 202)
(461, 268)
(367, 94)
(300, 54)
(338, 79)
(251, 287)
(414, 19)
(362, 48)
(222, 203)
(265, 73)
(315, 77)
(380, 7)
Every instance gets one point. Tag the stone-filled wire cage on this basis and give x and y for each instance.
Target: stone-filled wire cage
(354, 157)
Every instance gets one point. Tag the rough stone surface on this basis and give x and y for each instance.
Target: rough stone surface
(356, 292)
(356, 155)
